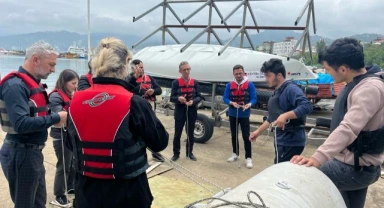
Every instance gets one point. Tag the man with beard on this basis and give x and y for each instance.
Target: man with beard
(145, 86)
(25, 118)
(240, 95)
(287, 111)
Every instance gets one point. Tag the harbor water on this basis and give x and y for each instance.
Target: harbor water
(10, 63)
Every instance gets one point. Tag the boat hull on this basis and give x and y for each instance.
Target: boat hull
(163, 62)
(288, 185)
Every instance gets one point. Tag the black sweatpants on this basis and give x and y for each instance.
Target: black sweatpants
(245, 128)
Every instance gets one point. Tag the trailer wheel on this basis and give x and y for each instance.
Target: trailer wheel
(203, 129)
(323, 122)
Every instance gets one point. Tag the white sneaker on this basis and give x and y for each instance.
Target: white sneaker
(248, 163)
(232, 158)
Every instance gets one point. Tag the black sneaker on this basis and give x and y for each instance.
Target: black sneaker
(61, 201)
(192, 157)
(175, 157)
(71, 191)
(157, 157)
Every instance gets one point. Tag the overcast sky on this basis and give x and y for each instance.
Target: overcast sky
(334, 18)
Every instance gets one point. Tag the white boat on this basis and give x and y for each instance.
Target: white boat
(77, 51)
(163, 62)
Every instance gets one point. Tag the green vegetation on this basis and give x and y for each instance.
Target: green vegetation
(374, 54)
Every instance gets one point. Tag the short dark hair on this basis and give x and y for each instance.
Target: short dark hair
(136, 62)
(344, 51)
(238, 66)
(275, 66)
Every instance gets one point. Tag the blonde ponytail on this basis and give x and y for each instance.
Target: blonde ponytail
(110, 59)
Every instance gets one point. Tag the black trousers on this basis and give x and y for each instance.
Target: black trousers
(116, 193)
(25, 172)
(181, 120)
(244, 125)
(285, 153)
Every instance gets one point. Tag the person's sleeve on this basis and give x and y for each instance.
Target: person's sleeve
(226, 94)
(83, 83)
(56, 102)
(156, 87)
(296, 98)
(197, 97)
(361, 111)
(148, 126)
(252, 92)
(174, 96)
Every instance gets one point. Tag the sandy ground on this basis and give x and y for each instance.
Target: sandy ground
(173, 189)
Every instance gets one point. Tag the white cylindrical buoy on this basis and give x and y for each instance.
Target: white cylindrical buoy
(288, 185)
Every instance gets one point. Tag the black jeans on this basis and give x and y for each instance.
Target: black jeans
(285, 153)
(353, 185)
(245, 128)
(25, 172)
(180, 121)
(59, 185)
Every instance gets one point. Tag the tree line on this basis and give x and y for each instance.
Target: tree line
(374, 54)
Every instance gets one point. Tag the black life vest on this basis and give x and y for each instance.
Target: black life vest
(106, 149)
(186, 89)
(369, 142)
(145, 84)
(64, 97)
(38, 100)
(274, 110)
(239, 93)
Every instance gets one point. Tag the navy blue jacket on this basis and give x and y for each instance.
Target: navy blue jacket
(293, 98)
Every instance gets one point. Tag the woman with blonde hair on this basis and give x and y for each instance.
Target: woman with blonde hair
(59, 100)
(109, 143)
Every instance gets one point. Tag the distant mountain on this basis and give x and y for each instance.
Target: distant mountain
(64, 39)
(276, 36)
(367, 37)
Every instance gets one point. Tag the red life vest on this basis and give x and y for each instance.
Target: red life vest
(239, 93)
(145, 84)
(66, 99)
(187, 89)
(106, 149)
(89, 77)
(38, 100)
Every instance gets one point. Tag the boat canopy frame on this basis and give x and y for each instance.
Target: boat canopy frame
(209, 28)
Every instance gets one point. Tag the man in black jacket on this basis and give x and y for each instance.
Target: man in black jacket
(145, 86)
(186, 95)
(25, 118)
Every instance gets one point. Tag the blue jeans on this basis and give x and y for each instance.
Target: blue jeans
(353, 185)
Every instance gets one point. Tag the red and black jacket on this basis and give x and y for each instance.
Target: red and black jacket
(239, 93)
(38, 100)
(104, 147)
